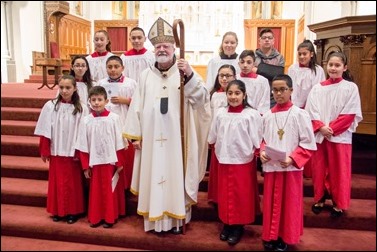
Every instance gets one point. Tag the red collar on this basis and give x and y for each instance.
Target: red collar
(64, 101)
(331, 81)
(220, 90)
(282, 107)
(249, 75)
(133, 51)
(99, 54)
(103, 113)
(120, 79)
(301, 65)
(237, 109)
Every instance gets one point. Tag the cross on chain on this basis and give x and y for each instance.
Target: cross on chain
(281, 133)
(161, 139)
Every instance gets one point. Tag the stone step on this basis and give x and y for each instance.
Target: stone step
(360, 216)
(21, 114)
(34, 222)
(17, 127)
(20, 145)
(12, 243)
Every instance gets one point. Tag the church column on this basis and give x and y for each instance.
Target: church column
(8, 66)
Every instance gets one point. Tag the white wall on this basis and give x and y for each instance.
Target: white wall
(28, 30)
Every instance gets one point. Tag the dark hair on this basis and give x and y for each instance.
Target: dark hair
(87, 78)
(346, 74)
(217, 85)
(246, 53)
(75, 96)
(108, 45)
(265, 30)
(98, 90)
(283, 77)
(116, 58)
(241, 86)
(313, 60)
(221, 50)
(137, 28)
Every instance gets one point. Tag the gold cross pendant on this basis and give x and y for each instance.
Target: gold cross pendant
(280, 133)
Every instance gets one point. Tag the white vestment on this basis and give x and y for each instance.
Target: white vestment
(213, 68)
(60, 127)
(258, 92)
(135, 64)
(101, 137)
(165, 191)
(97, 66)
(126, 90)
(298, 131)
(236, 135)
(303, 79)
(326, 102)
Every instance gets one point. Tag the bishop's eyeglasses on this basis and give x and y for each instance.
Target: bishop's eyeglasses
(280, 90)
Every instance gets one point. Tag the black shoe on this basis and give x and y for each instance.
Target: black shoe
(281, 245)
(335, 213)
(176, 230)
(71, 219)
(269, 245)
(317, 208)
(235, 234)
(56, 218)
(225, 233)
(107, 225)
(95, 225)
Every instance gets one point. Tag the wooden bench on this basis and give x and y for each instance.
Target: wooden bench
(49, 62)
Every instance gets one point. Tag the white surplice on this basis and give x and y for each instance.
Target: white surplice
(126, 90)
(101, 137)
(135, 64)
(236, 135)
(298, 131)
(326, 102)
(97, 66)
(60, 126)
(213, 68)
(165, 191)
(303, 79)
(258, 92)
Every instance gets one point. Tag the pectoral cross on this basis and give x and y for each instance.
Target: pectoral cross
(161, 139)
(162, 182)
(280, 133)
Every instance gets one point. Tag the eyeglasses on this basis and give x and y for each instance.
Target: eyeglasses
(267, 37)
(280, 90)
(225, 75)
(78, 66)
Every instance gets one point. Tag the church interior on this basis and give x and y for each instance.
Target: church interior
(38, 42)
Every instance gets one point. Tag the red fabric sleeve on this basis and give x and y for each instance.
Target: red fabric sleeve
(300, 156)
(341, 123)
(84, 159)
(317, 125)
(44, 146)
(121, 158)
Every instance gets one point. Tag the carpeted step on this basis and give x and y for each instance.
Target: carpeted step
(23, 167)
(12, 243)
(18, 128)
(363, 186)
(20, 145)
(34, 222)
(22, 114)
(360, 216)
(36, 102)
